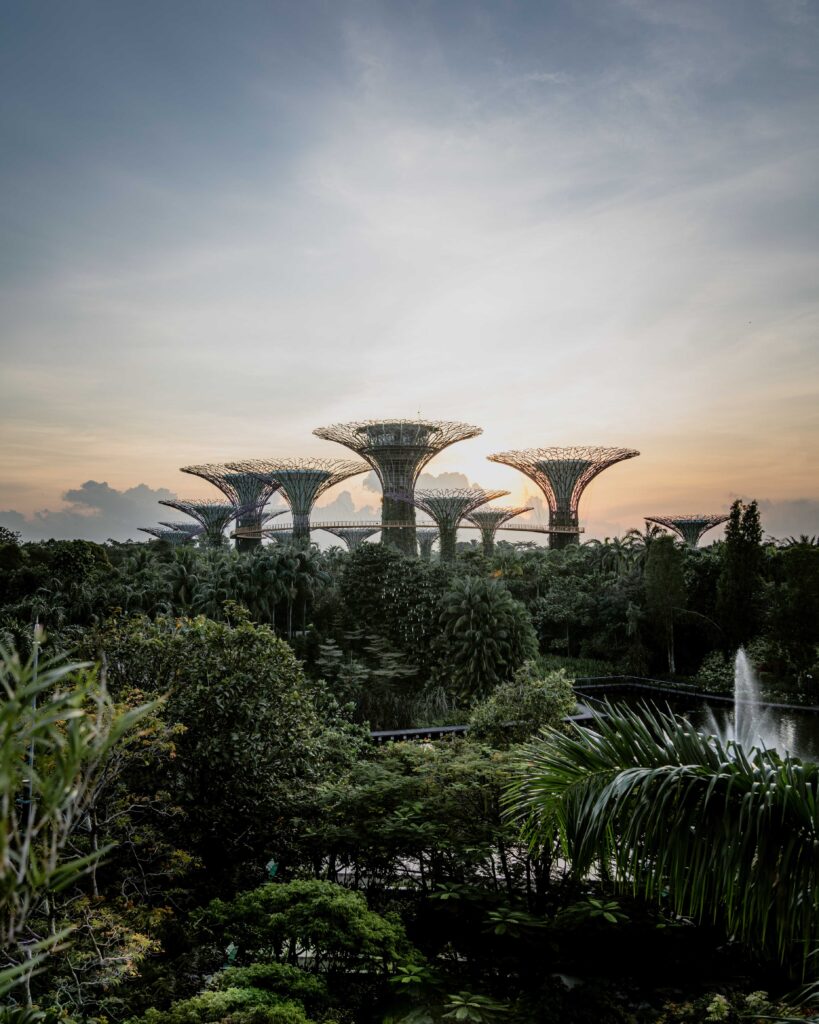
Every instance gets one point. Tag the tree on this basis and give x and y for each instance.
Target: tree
(665, 589)
(731, 834)
(516, 710)
(58, 727)
(250, 753)
(486, 635)
(327, 923)
(795, 605)
(739, 590)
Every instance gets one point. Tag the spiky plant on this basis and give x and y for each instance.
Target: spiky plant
(732, 835)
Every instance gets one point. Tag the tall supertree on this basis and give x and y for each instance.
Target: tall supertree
(172, 537)
(398, 450)
(426, 537)
(212, 515)
(489, 521)
(447, 508)
(353, 536)
(563, 474)
(689, 528)
(302, 482)
(246, 492)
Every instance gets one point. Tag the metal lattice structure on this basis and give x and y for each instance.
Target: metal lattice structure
(353, 536)
(245, 491)
(302, 482)
(426, 537)
(689, 528)
(182, 526)
(398, 450)
(562, 474)
(213, 516)
(173, 537)
(446, 508)
(489, 521)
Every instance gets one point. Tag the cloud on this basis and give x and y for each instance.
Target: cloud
(443, 481)
(789, 518)
(343, 509)
(94, 511)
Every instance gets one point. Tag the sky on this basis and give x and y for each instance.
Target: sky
(589, 222)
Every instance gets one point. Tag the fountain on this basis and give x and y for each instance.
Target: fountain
(752, 724)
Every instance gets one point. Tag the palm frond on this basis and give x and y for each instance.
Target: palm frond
(731, 834)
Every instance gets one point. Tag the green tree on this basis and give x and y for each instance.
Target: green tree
(514, 711)
(250, 753)
(229, 1006)
(664, 583)
(739, 591)
(326, 923)
(795, 606)
(486, 635)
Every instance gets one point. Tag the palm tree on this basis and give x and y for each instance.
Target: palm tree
(730, 833)
(639, 541)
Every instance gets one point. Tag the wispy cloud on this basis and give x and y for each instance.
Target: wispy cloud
(595, 223)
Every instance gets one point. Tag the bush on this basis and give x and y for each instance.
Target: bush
(331, 924)
(232, 1006)
(282, 980)
(520, 708)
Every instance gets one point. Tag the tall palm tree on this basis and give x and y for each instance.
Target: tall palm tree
(639, 541)
(731, 834)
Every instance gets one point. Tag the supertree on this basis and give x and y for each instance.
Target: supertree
(563, 474)
(353, 536)
(172, 537)
(489, 521)
(212, 515)
(689, 528)
(302, 482)
(398, 450)
(182, 526)
(246, 492)
(447, 508)
(426, 537)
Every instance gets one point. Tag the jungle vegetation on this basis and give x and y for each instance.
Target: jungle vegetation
(197, 827)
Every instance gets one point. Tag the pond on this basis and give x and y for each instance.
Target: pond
(794, 729)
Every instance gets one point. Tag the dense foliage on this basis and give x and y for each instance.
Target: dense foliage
(227, 843)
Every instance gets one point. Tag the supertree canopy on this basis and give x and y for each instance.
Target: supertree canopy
(353, 536)
(489, 521)
(212, 515)
(690, 528)
(302, 482)
(426, 537)
(182, 526)
(246, 492)
(398, 450)
(563, 474)
(172, 537)
(447, 508)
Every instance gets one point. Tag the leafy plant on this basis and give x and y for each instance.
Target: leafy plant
(660, 806)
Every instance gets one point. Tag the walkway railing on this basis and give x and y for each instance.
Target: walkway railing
(590, 686)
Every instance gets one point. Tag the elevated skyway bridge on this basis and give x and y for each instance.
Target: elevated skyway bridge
(346, 524)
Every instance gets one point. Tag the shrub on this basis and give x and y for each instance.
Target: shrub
(518, 709)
